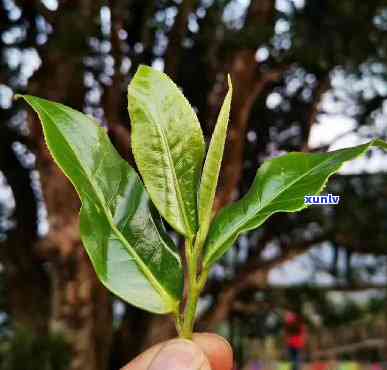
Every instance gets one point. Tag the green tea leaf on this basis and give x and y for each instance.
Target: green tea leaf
(279, 186)
(212, 165)
(168, 146)
(132, 256)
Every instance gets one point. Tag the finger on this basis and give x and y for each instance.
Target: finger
(217, 350)
(176, 354)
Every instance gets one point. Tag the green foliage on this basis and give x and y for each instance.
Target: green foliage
(49, 352)
(279, 186)
(211, 169)
(130, 250)
(163, 121)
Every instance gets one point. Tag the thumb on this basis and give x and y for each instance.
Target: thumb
(180, 354)
(176, 354)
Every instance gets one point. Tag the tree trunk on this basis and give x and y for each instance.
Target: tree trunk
(25, 276)
(80, 305)
(82, 311)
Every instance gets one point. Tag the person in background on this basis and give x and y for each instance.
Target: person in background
(295, 337)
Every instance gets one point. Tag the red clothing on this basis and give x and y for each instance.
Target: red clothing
(295, 332)
(298, 340)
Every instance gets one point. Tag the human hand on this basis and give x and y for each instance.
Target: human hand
(205, 352)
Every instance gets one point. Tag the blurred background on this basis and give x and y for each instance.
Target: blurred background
(308, 75)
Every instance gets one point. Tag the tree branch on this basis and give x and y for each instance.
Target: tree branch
(175, 39)
(322, 87)
(253, 276)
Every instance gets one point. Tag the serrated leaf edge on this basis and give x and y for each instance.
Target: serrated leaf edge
(171, 303)
(211, 258)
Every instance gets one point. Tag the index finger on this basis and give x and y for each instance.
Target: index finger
(217, 350)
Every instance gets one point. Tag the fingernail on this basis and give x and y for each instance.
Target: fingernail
(180, 355)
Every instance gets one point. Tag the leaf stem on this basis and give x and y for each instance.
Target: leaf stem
(178, 323)
(191, 304)
(196, 284)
